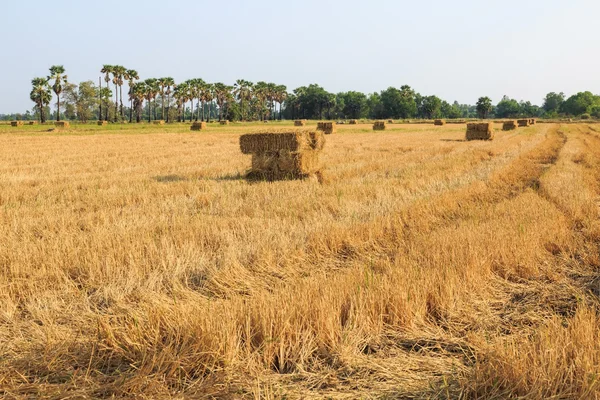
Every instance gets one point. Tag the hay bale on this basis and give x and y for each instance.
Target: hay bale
(158, 122)
(300, 122)
(224, 122)
(283, 154)
(379, 126)
(16, 123)
(509, 125)
(102, 123)
(62, 124)
(327, 127)
(353, 122)
(439, 122)
(198, 126)
(523, 123)
(33, 122)
(532, 121)
(390, 121)
(480, 131)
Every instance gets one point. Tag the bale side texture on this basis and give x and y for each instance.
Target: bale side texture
(509, 125)
(294, 141)
(327, 127)
(198, 126)
(480, 131)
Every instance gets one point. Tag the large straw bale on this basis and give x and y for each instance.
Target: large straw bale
(198, 126)
(283, 154)
(158, 122)
(390, 121)
(224, 122)
(353, 122)
(102, 123)
(480, 131)
(379, 126)
(16, 123)
(509, 125)
(62, 124)
(300, 122)
(532, 121)
(327, 127)
(523, 123)
(439, 122)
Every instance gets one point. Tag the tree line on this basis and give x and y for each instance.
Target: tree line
(195, 99)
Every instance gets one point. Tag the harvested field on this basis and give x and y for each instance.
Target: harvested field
(136, 262)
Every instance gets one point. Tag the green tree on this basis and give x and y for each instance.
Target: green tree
(41, 95)
(243, 91)
(170, 84)
(431, 106)
(484, 107)
(83, 99)
(107, 70)
(57, 73)
(131, 75)
(580, 103)
(507, 108)
(553, 103)
(355, 104)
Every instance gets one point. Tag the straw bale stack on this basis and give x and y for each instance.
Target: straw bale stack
(62, 124)
(284, 154)
(198, 126)
(300, 122)
(523, 123)
(439, 122)
(480, 131)
(379, 126)
(327, 127)
(16, 123)
(509, 125)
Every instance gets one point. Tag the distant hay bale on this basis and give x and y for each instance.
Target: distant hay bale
(439, 122)
(283, 154)
(480, 131)
(300, 122)
(16, 123)
(353, 122)
(509, 125)
(224, 122)
(532, 121)
(379, 126)
(158, 122)
(390, 121)
(33, 122)
(102, 123)
(198, 126)
(62, 124)
(327, 127)
(523, 123)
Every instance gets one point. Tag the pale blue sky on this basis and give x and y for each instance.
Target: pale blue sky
(458, 50)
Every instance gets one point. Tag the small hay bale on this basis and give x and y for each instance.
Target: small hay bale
(532, 121)
(509, 125)
(353, 122)
(439, 122)
(300, 122)
(159, 122)
(33, 122)
(327, 127)
(198, 126)
(224, 122)
(62, 124)
(390, 121)
(379, 126)
(480, 131)
(16, 123)
(523, 123)
(281, 155)
(102, 123)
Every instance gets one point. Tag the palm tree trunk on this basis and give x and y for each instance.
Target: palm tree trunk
(203, 105)
(149, 110)
(168, 105)
(58, 105)
(162, 100)
(121, 95)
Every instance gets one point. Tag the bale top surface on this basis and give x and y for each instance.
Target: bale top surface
(289, 140)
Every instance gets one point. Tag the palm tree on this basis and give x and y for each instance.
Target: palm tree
(220, 90)
(170, 83)
(119, 73)
(162, 84)
(484, 107)
(243, 90)
(260, 91)
(151, 89)
(280, 96)
(180, 94)
(107, 70)
(57, 73)
(207, 97)
(131, 76)
(41, 95)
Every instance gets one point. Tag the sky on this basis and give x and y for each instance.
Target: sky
(458, 50)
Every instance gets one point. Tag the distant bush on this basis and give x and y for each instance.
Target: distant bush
(585, 116)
